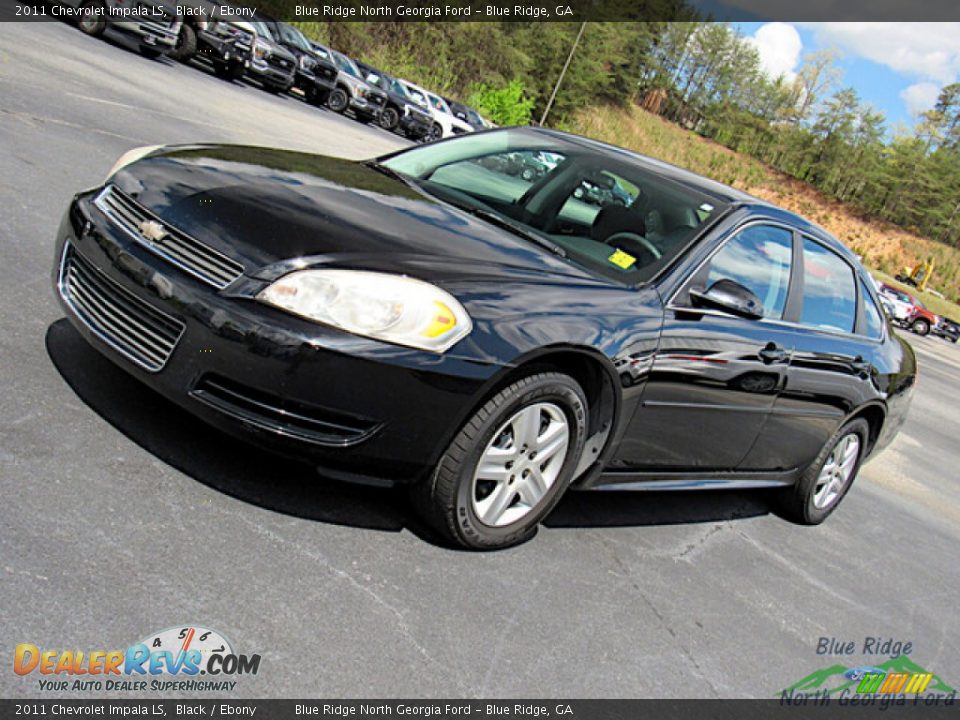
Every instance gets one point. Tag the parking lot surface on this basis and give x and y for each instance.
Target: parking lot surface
(121, 515)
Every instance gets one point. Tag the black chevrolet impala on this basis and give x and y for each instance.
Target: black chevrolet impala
(430, 318)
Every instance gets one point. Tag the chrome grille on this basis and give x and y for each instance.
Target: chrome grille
(279, 61)
(119, 318)
(178, 248)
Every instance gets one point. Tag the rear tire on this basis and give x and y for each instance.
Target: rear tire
(920, 327)
(186, 46)
(92, 26)
(829, 477)
(491, 488)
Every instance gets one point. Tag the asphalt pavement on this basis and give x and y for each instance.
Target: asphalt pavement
(120, 515)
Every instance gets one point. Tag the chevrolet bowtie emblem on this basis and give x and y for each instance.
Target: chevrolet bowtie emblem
(152, 230)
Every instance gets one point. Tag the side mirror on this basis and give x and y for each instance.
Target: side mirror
(729, 296)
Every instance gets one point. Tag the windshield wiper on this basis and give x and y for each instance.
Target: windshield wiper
(488, 215)
(517, 229)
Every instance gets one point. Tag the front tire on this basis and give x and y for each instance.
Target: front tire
(920, 327)
(829, 477)
(338, 100)
(88, 24)
(389, 119)
(186, 46)
(435, 133)
(509, 464)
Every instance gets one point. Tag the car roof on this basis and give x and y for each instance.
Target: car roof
(717, 190)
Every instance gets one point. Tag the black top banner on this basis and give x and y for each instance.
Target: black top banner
(531, 10)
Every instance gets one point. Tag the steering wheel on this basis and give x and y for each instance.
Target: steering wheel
(634, 238)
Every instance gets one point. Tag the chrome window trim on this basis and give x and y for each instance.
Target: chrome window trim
(670, 305)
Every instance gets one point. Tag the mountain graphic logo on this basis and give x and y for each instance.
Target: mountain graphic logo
(834, 679)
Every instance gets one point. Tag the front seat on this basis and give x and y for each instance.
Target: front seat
(613, 219)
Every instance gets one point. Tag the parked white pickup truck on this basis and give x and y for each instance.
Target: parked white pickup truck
(154, 24)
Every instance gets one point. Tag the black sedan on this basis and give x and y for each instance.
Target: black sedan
(426, 318)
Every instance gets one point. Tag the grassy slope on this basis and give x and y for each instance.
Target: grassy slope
(883, 246)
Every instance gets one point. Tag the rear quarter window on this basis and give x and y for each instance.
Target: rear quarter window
(829, 290)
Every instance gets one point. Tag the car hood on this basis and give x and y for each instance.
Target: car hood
(275, 209)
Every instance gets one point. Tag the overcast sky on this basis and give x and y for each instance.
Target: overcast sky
(898, 67)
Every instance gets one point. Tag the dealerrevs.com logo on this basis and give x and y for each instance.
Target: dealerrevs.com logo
(176, 659)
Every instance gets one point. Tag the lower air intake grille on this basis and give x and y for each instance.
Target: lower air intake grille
(144, 335)
(282, 416)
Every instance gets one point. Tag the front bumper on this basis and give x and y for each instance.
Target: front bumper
(362, 106)
(266, 73)
(150, 34)
(308, 81)
(255, 372)
(223, 50)
(415, 125)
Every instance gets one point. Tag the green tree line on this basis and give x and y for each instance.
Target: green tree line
(703, 76)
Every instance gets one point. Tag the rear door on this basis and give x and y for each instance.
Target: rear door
(838, 332)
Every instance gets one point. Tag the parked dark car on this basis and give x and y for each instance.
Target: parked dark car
(422, 318)
(316, 75)
(400, 112)
(227, 46)
(352, 91)
(467, 114)
(947, 329)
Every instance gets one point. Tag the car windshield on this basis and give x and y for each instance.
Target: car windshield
(375, 77)
(601, 208)
(439, 104)
(262, 29)
(295, 37)
(414, 95)
(346, 64)
(473, 118)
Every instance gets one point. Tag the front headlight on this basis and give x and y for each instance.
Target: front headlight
(392, 308)
(260, 50)
(130, 157)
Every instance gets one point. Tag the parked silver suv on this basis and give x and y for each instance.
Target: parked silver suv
(153, 24)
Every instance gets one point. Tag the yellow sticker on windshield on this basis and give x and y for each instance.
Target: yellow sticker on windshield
(622, 259)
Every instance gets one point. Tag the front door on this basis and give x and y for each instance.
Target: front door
(716, 376)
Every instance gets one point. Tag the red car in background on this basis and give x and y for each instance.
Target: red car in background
(921, 320)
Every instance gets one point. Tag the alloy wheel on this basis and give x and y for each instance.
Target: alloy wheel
(520, 464)
(837, 471)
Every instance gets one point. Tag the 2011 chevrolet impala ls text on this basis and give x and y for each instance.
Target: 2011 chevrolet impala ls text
(430, 318)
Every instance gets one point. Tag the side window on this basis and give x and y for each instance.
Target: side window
(829, 292)
(759, 259)
(872, 314)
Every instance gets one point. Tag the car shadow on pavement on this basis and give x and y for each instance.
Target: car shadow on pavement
(212, 457)
(256, 476)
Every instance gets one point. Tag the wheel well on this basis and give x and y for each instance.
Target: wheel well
(875, 416)
(590, 374)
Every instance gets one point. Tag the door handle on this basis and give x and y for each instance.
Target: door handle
(772, 353)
